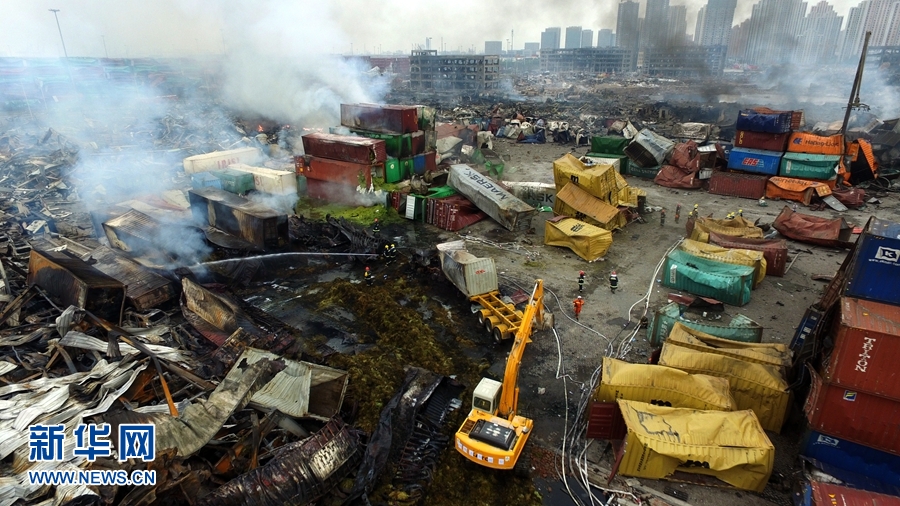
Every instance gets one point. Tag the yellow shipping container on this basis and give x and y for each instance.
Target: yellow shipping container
(598, 180)
(728, 445)
(754, 386)
(774, 354)
(736, 227)
(587, 241)
(747, 257)
(663, 386)
(574, 202)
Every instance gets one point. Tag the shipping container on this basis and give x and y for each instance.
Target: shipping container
(609, 144)
(755, 161)
(728, 283)
(276, 182)
(799, 190)
(431, 160)
(393, 119)
(875, 260)
(255, 223)
(392, 171)
(574, 202)
(335, 193)
(735, 256)
(772, 354)
(597, 180)
(470, 274)
(220, 159)
(142, 235)
(415, 208)
(730, 446)
(204, 179)
(418, 164)
(774, 250)
(417, 141)
(587, 241)
(605, 422)
(534, 194)
(818, 493)
(71, 281)
(775, 122)
(866, 348)
(624, 162)
(853, 414)
(602, 160)
(499, 204)
(336, 171)
(854, 464)
(700, 228)
(643, 172)
(805, 142)
(144, 289)
(347, 148)
(761, 140)
(663, 320)
(235, 181)
(452, 213)
(810, 166)
(395, 145)
(649, 149)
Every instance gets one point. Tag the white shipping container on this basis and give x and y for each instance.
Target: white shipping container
(218, 160)
(470, 274)
(599, 160)
(535, 194)
(276, 182)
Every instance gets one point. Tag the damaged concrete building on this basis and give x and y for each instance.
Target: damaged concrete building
(430, 71)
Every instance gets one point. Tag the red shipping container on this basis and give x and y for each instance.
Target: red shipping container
(336, 171)
(453, 213)
(418, 142)
(853, 415)
(348, 148)
(605, 421)
(335, 193)
(430, 161)
(774, 250)
(761, 140)
(828, 494)
(866, 348)
(738, 184)
(391, 119)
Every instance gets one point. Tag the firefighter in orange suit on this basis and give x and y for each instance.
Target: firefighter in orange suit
(578, 302)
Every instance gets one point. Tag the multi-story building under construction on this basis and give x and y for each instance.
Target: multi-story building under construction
(429, 71)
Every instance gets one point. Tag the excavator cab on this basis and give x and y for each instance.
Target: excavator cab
(487, 396)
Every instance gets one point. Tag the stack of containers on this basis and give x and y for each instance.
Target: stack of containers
(339, 164)
(854, 400)
(610, 147)
(407, 131)
(810, 157)
(759, 145)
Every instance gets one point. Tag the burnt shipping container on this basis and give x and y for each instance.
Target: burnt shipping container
(453, 213)
(336, 171)
(875, 265)
(336, 193)
(761, 140)
(391, 119)
(347, 148)
(776, 122)
(255, 223)
(853, 414)
(498, 203)
(143, 289)
(866, 348)
(71, 281)
(774, 250)
(738, 184)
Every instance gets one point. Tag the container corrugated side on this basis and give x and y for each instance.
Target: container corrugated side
(276, 182)
(755, 160)
(810, 166)
(380, 118)
(499, 204)
(774, 250)
(336, 171)
(728, 283)
(852, 463)
(220, 159)
(852, 414)
(866, 348)
(348, 148)
(875, 260)
(741, 328)
(761, 140)
(255, 223)
(737, 184)
(470, 274)
(773, 122)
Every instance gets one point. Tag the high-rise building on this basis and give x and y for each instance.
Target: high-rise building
(587, 38)
(605, 38)
(550, 38)
(714, 23)
(628, 26)
(819, 33)
(855, 33)
(573, 37)
(655, 30)
(773, 31)
(532, 48)
(883, 20)
(493, 47)
(677, 29)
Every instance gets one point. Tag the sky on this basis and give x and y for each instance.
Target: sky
(165, 28)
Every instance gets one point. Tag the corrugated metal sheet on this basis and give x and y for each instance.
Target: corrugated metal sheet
(827, 494)
(73, 282)
(348, 148)
(336, 171)
(255, 223)
(662, 321)
(754, 386)
(498, 203)
(605, 421)
(220, 159)
(774, 250)
(649, 149)
(755, 160)
(728, 445)
(587, 241)
(575, 202)
(662, 386)
(854, 464)
(853, 414)
(470, 274)
(809, 165)
(144, 289)
(597, 180)
(728, 283)
(380, 118)
(876, 259)
(761, 140)
(234, 181)
(866, 348)
(771, 354)
(738, 184)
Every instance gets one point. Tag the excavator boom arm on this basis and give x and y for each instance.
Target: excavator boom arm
(509, 397)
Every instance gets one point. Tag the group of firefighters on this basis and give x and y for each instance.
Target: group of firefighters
(579, 301)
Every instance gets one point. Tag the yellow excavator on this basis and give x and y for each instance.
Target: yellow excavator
(493, 435)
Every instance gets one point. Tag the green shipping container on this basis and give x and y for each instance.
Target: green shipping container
(623, 160)
(663, 319)
(235, 181)
(637, 170)
(396, 145)
(809, 166)
(728, 283)
(406, 167)
(301, 185)
(392, 172)
(609, 144)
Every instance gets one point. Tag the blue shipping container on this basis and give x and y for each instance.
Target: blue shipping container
(204, 179)
(855, 464)
(775, 123)
(755, 160)
(419, 164)
(875, 265)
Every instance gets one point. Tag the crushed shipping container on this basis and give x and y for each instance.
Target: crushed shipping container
(470, 274)
(738, 184)
(875, 259)
(805, 142)
(761, 140)
(774, 354)
(574, 202)
(71, 281)
(728, 283)
(740, 328)
(699, 228)
(811, 166)
(587, 241)
(820, 493)
(597, 180)
(852, 463)
(749, 258)
(499, 204)
(774, 250)
(800, 190)
(255, 223)
(649, 149)
(812, 229)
